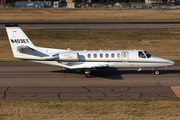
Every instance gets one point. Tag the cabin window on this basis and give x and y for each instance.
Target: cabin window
(89, 55)
(118, 55)
(124, 54)
(141, 54)
(101, 55)
(112, 55)
(95, 55)
(107, 55)
(148, 55)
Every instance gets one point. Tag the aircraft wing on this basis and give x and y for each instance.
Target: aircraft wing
(88, 65)
(99, 66)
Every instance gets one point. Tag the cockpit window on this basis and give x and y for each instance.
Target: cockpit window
(141, 54)
(148, 55)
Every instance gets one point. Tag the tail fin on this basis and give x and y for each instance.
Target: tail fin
(17, 39)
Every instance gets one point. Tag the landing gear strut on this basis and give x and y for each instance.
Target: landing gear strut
(88, 73)
(156, 72)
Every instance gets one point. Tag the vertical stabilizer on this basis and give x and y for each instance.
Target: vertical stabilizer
(17, 38)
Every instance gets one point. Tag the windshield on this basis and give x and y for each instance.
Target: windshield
(148, 55)
(141, 54)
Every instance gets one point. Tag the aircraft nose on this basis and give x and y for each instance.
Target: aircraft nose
(171, 62)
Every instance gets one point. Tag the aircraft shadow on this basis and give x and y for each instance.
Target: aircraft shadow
(112, 74)
(162, 72)
(115, 74)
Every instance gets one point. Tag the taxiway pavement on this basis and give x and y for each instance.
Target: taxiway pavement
(26, 80)
(96, 24)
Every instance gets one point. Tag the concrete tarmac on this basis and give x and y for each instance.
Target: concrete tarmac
(96, 25)
(26, 80)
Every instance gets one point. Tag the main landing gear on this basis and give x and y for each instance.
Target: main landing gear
(88, 73)
(156, 71)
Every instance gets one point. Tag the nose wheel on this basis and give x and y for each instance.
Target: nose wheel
(157, 72)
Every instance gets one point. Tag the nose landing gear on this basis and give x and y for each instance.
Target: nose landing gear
(156, 72)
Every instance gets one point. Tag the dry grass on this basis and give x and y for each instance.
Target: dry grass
(158, 43)
(90, 109)
(86, 14)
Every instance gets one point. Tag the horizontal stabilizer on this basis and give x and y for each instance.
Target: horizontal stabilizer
(19, 48)
(35, 52)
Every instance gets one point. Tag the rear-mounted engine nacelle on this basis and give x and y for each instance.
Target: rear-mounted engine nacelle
(67, 56)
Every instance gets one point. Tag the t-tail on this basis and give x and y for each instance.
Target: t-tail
(17, 39)
(21, 45)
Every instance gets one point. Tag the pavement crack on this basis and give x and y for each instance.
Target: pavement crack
(127, 89)
(105, 95)
(89, 96)
(140, 95)
(120, 91)
(156, 81)
(30, 96)
(158, 95)
(59, 96)
(113, 90)
(5, 93)
(88, 91)
(34, 96)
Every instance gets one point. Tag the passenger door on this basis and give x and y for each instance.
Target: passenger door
(125, 56)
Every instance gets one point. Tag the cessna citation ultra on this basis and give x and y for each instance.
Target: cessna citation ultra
(24, 49)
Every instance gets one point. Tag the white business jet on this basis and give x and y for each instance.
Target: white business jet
(24, 49)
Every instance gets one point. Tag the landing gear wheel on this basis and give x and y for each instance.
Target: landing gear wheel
(156, 72)
(88, 75)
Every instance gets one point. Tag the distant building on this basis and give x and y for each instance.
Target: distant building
(148, 2)
(62, 1)
(69, 1)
